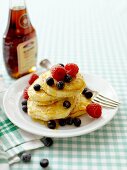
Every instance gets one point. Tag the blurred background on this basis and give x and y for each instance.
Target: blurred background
(81, 31)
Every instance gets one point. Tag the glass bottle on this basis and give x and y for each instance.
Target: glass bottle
(19, 41)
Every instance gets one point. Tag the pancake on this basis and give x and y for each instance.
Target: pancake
(40, 97)
(52, 111)
(70, 89)
(80, 107)
(41, 103)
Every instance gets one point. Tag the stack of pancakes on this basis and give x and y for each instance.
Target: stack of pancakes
(47, 103)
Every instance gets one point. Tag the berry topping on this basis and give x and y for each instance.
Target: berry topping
(33, 78)
(77, 122)
(94, 110)
(24, 108)
(44, 163)
(71, 69)
(66, 104)
(60, 85)
(51, 124)
(88, 94)
(67, 78)
(69, 121)
(37, 87)
(61, 64)
(84, 91)
(58, 72)
(26, 157)
(24, 102)
(25, 93)
(50, 81)
(47, 141)
(62, 122)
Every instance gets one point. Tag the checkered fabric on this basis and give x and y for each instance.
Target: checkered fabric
(3, 156)
(14, 140)
(3, 160)
(92, 34)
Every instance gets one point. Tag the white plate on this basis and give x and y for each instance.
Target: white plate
(12, 106)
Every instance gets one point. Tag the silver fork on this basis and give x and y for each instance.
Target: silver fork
(96, 98)
(104, 101)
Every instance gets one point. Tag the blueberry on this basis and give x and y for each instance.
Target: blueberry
(67, 78)
(62, 122)
(69, 121)
(37, 87)
(50, 81)
(44, 163)
(24, 108)
(77, 122)
(24, 102)
(51, 124)
(60, 85)
(66, 104)
(84, 91)
(61, 64)
(26, 157)
(88, 94)
(47, 141)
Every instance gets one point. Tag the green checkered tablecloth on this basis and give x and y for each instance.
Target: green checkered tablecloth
(94, 35)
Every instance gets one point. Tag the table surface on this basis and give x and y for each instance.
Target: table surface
(92, 34)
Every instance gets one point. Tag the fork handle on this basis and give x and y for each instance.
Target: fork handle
(45, 64)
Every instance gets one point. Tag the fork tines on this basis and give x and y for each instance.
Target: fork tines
(104, 101)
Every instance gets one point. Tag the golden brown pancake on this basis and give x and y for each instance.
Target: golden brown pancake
(40, 96)
(80, 107)
(70, 89)
(50, 112)
(47, 103)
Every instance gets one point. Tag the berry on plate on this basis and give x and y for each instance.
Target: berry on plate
(33, 78)
(51, 124)
(50, 81)
(24, 102)
(37, 87)
(62, 122)
(71, 69)
(58, 72)
(67, 78)
(69, 121)
(77, 121)
(24, 108)
(88, 94)
(66, 104)
(84, 91)
(61, 64)
(25, 93)
(60, 85)
(94, 110)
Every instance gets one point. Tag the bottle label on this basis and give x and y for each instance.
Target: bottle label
(27, 54)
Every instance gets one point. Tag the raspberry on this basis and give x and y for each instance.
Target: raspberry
(71, 69)
(58, 72)
(94, 110)
(33, 78)
(25, 93)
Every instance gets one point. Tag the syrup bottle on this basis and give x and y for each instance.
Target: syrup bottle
(19, 41)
